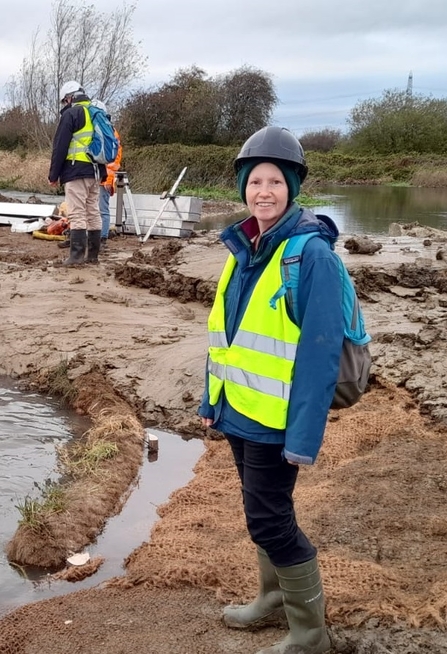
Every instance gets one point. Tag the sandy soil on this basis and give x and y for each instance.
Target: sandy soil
(375, 503)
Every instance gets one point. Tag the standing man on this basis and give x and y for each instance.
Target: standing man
(108, 187)
(72, 167)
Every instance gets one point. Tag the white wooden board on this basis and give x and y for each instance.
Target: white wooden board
(22, 210)
(149, 202)
(176, 220)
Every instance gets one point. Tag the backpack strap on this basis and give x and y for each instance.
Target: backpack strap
(290, 271)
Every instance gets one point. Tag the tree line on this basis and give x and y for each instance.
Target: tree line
(191, 108)
(99, 52)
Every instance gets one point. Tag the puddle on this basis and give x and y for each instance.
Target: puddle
(30, 427)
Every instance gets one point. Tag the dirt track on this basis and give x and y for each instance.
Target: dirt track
(374, 504)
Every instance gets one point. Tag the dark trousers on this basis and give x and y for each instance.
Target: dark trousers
(267, 486)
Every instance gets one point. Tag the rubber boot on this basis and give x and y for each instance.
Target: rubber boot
(78, 243)
(266, 609)
(93, 245)
(304, 607)
(103, 246)
(64, 244)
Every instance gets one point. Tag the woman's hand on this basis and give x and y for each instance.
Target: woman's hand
(207, 422)
(292, 463)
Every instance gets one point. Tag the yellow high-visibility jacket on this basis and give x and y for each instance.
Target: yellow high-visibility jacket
(77, 150)
(256, 370)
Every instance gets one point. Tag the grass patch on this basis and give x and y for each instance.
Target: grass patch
(85, 459)
(211, 193)
(30, 510)
(34, 512)
(98, 445)
(309, 200)
(430, 177)
(8, 182)
(58, 384)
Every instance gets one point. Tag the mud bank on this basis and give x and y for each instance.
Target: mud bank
(375, 503)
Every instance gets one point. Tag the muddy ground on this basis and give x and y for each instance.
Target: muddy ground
(374, 504)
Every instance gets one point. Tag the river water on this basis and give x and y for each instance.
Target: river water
(30, 428)
(371, 209)
(355, 209)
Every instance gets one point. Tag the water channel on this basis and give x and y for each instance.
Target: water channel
(30, 428)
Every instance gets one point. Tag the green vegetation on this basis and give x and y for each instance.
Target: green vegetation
(56, 383)
(9, 182)
(395, 139)
(399, 122)
(35, 512)
(211, 193)
(199, 121)
(195, 109)
(210, 173)
(98, 452)
(84, 458)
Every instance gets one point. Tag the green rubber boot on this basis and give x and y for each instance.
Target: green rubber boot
(267, 609)
(304, 607)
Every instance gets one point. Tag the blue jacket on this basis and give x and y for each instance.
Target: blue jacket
(319, 303)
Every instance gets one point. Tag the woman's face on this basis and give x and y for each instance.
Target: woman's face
(266, 194)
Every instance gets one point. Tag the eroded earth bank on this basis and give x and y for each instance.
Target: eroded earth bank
(130, 336)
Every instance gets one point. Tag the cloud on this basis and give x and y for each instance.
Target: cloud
(315, 51)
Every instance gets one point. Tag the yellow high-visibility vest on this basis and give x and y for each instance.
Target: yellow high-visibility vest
(256, 369)
(77, 150)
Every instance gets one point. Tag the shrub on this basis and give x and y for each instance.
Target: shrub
(324, 140)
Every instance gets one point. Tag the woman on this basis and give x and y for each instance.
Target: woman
(270, 383)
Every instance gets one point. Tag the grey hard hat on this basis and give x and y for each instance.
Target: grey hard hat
(274, 143)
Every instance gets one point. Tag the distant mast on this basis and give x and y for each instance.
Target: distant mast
(410, 85)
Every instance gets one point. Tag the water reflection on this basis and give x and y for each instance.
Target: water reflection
(370, 209)
(30, 426)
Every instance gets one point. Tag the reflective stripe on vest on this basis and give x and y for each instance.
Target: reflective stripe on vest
(77, 150)
(256, 369)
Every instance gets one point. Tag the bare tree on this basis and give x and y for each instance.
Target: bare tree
(323, 140)
(96, 49)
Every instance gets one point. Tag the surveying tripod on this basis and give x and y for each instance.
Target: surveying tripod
(122, 185)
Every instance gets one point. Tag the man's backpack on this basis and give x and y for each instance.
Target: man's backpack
(104, 145)
(355, 360)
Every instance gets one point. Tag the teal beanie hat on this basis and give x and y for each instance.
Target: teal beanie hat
(290, 175)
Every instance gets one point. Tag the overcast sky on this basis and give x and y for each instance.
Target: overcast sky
(324, 56)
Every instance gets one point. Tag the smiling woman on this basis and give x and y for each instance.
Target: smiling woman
(261, 389)
(267, 195)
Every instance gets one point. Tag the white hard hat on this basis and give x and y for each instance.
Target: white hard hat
(68, 88)
(99, 104)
